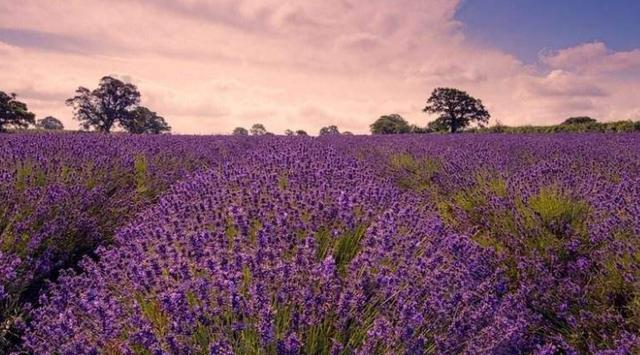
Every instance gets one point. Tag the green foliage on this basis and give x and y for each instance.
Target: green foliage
(456, 108)
(416, 174)
(390, 124)
(579, 120)
(329, 130)
(201, 339)
(231, 232)
(418, 130)
(588, 127)
(324, 243)
(558, 211)
(239, 131)
(142, 120)
(112, 102)
(50, 123)
(153, 313)
(343, 247)
(137, 350)
(438, 126)
(141, 174)
(14, 113)
(283, 182)
(346, 247)
(258, 129)
(317, 339)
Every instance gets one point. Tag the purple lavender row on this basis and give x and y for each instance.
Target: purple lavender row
(63, 195)
(561, 212)
(296, 249)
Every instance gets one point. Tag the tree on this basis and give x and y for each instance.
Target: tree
(14, 113)
(579, 120)
(112, 102)
(142, 120)
(438, 126)
(347, 133)
(329, 130)
(457, 109)
(258, 129)
(288, 132)
(418, 130)
(50, 123)
(390, 124)
(301, 133)
(239, 131)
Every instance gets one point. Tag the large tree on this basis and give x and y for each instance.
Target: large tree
(50, 123)
(457, 109)
(390, 124)
(329, 130)
(301, 132)
(142, 120)
(14, 113)
(114, 101)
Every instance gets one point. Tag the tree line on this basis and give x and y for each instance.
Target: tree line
(258, 129)
(113, 103)
(116, 103)
(457, 110)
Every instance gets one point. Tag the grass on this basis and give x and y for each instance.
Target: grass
(414, 174)
(343, 247)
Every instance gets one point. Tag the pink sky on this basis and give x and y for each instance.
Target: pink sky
(209, 66)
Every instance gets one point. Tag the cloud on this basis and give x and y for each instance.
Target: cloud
(209, 66)
(594, 58)
(559, 83)
(45, 41)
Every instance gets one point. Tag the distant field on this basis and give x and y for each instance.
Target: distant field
(468, 243)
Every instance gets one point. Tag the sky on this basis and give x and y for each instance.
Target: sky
(209, 66)
(525, 28)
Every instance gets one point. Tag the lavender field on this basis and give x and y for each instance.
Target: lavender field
(412, 244)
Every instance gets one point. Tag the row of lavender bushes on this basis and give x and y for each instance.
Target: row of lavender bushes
(562, 215)
(62, 196)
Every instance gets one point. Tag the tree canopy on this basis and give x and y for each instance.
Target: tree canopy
(437, 126)
(240, 131)
(329, 130)
(143, 120)
(418, 130)
(50, 123)
(390, 124)
(112, 102)
(301, 132)
(258, 129)
(579, 120)
(288, 132)
(14, 113)
(457, 109)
